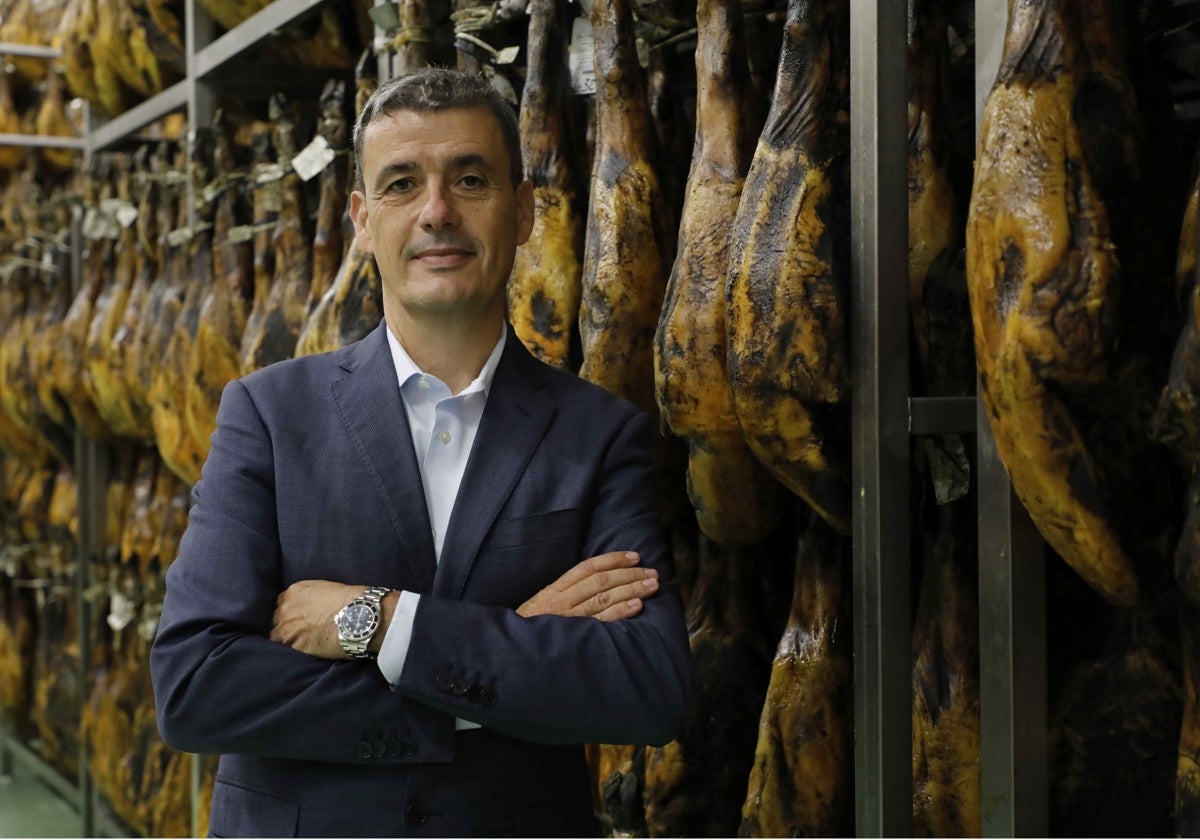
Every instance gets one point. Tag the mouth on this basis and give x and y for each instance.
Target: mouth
(442, 256)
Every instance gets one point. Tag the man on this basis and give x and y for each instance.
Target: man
(428, 495)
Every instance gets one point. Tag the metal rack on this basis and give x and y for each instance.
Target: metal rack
(884, 416)
(1012, 626)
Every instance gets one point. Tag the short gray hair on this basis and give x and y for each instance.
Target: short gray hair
(433, 89)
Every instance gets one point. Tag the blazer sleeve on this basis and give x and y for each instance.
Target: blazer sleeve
(554, 679)
(220, 684)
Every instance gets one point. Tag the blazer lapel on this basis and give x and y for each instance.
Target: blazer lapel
(514, 420)
(368, 399)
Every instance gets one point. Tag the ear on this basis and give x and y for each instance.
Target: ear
(358, 215)
(524, 196)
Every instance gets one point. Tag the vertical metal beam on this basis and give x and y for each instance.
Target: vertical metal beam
(90, 480)
(879, 237)
(201, 107)
(1014, 774)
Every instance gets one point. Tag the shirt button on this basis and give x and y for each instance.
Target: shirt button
(443, 438)
(423, 383)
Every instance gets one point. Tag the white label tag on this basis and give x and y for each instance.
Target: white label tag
(581, 58)
(126, 214)
(508, 55)
(313, 158)
(120, 612)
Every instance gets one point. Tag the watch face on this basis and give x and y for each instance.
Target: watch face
(356, 621)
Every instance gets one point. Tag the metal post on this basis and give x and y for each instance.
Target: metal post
(90, 480)
(201, 108)
(1014, 774)
(879, 237)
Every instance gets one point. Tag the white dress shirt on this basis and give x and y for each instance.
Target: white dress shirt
(443, 429)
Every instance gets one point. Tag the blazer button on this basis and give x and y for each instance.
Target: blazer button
(394, 746)
(458, 688)
(379, 749)
(408, 746)
(474, 693)
(415, 815)
(488, 697)
(441, 682)
(364, 749)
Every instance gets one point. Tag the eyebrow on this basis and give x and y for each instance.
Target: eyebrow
(464, 161)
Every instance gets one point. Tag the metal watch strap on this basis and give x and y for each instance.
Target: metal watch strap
(372, 595)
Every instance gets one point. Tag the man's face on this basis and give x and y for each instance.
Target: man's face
(439, 211)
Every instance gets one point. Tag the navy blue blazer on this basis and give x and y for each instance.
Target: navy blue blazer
(312, 475)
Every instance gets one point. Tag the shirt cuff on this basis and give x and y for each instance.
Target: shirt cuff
(394, 649)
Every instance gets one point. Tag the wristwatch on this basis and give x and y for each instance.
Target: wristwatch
(357, 622)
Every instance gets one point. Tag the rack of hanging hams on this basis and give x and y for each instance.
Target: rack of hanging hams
(203, 256)
(1051, 265)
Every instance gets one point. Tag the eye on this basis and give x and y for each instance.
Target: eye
(472, 182)
(400, 185)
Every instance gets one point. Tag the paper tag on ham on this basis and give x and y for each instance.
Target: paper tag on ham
(126, 214)
(120, 612)
(313, 158)
(581, 60)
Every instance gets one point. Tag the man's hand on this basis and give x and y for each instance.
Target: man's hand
(304, 616)
(608, 587)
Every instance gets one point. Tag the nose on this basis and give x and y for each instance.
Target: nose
(438, 211)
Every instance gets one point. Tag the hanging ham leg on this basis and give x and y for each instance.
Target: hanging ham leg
(1066, 295)
(191, 273)
(544, 290)
(696, 784)
(101, 377)
(801, 784)
(328, 245)
(273, 331)
(788, 354)
(625, 263)
(216, 356)
(734, 496)
(353, 305)
(124, 350)
(267, 199)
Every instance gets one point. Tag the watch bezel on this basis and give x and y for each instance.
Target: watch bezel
(364, 634)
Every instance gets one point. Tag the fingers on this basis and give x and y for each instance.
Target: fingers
(620, 610)
(595, 565)
(608, 586)
(602, 591)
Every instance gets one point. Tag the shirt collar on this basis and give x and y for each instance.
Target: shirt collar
(406, 368)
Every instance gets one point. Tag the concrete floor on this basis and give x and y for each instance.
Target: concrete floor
(29, 808)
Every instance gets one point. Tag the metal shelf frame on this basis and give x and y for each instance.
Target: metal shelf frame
(884, 416)
(1012, 625)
